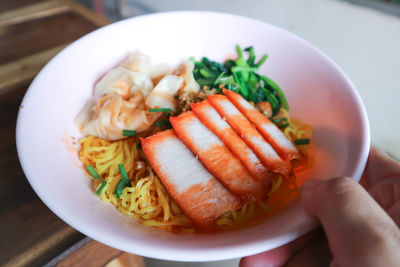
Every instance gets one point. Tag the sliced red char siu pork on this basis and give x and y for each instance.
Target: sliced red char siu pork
(213, 121)
(271, 160)
(285, 148)
(201, 196)
(217, 158)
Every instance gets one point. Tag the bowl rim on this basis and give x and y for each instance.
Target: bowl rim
(196, 255)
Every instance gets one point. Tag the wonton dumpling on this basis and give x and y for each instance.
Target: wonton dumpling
(113, 114)
(163, 95)
(123, 97)
(123, 82)
(191, 86)
(139, 62)
(85, 115)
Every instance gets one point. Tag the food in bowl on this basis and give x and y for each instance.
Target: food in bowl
(204, 146)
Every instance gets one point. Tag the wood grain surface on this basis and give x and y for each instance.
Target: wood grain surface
(41, 34)
(31, 235)
(21, 71)
(96, 254)
(13, 4)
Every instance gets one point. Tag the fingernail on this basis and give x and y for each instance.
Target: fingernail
(310, 184)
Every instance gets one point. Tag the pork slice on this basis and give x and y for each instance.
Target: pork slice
(216, 157)
(213, 121)
(285, 148)
(268, 156)
(201, 196)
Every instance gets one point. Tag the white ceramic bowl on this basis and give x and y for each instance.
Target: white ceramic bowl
(317, 90)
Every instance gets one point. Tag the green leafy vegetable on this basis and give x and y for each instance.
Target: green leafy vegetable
(304, 141)
(278, 90)
(103, 184)
(273, 100)
(240, 76)
(128, 133)
(252, 56)
(262, 61)
(92, 171)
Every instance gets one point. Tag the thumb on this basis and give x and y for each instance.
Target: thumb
(358, 230)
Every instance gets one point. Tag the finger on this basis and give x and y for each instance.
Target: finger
(387, 193)
(379, 166)
(279, 256)
(394, 213)
(272, 258)
(358, 230)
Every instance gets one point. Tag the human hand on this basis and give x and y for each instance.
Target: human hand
(360, 228)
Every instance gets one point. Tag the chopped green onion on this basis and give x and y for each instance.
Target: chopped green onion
(303, 141)
(122, 171)
(160, 110)
(283, 126)
(103, 184)
(167, 111)
(124, 182)
(92, 171)
(279, 120)
(162, 123)
(128, 133)
(120, 187)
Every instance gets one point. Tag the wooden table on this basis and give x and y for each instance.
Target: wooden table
(31, 33)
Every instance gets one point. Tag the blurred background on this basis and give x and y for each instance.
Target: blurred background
(361, 36)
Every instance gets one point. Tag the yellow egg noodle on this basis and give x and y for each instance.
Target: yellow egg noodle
(297, 129)
(147, 200)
